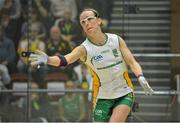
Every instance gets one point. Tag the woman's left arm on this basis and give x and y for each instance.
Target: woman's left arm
(135, 66)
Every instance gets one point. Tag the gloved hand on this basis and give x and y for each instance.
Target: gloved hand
(38, 58)
(144, 84)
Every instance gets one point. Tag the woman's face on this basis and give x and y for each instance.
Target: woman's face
(89, 22)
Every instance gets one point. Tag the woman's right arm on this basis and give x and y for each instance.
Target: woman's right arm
(77, 53)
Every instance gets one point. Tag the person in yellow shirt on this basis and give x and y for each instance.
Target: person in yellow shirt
(34, 44)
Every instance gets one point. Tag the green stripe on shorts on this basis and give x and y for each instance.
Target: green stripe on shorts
(127, 100)
(104, 107)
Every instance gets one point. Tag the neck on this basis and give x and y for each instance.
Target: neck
(98, 38)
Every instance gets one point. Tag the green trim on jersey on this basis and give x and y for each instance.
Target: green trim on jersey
(99, 44)
(86, 53)
(104, 107)
(119, 40)
(112, 65)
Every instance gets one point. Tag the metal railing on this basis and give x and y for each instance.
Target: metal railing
(168, 55)
(172, 92)
(28, 91)
(177, 77)
(47, 90)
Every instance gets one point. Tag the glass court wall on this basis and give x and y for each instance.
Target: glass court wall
(65, 94)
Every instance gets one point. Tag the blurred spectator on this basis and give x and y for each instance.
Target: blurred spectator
(83, 76)
(24, 9)
(41, 109)
(43, 11)
(1, 4)
(84, 79)
(12, 8)
(35, 44)
(81, 4)
(105, 9)
(8, 111)
(72, 105)
(86, 83)
(31, 45)
(56, 44)
(58, 6)
(42, 7)
(7, 56)
(41, 34)
(70, 29)
(11, 13)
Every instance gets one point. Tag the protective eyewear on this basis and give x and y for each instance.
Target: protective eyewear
(87, 19)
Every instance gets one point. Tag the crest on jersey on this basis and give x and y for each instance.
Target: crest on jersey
(115, 52)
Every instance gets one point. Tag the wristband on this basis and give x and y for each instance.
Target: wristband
(140, 75)
(63, 61)
(142, 79)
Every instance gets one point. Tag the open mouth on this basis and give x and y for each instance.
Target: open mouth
(89, 29)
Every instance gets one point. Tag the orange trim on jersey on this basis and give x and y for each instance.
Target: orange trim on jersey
(128, 80)
(96, 84)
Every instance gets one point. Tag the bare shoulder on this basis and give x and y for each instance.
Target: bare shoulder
(79, 51)
(122, 43)
(81, 47)
(82, 52)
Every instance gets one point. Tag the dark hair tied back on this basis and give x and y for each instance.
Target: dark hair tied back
(96, 14)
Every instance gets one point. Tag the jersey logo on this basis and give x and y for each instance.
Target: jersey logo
(105, 51)
(115, 52)
(96, 59)
(98, 112)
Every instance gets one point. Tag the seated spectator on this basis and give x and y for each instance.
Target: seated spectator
(57, 8)
(41, 34)
(83, 73)
(70, 29)
(56, 45)
(34, 44)
(105, 9)
(42, 7)
(72, 105)
(7, 56)
(12, 8)
(8, 111)
(43, 10)
(41, 109)
(81, 4)
(11, 13)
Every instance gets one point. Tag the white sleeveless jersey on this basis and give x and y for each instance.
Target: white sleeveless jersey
(109, 66)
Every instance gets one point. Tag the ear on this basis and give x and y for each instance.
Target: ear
(99, 21)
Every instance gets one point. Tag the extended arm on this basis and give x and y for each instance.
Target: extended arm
(41, 58)
(135, 67)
